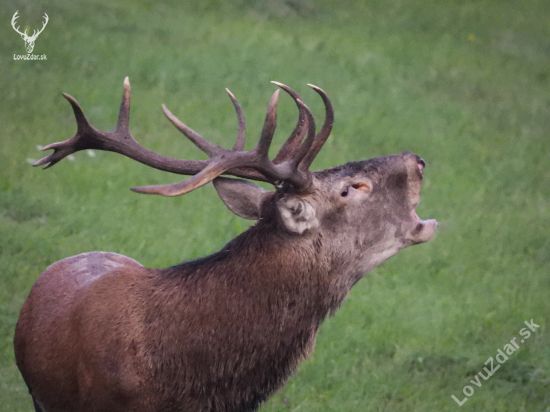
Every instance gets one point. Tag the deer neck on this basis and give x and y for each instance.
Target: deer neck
(290, 269)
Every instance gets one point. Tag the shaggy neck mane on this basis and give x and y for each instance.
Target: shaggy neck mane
(294, 269)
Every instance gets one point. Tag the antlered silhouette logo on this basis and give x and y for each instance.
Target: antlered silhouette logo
(29, 40)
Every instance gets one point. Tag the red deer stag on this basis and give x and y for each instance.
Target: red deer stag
(100, 332)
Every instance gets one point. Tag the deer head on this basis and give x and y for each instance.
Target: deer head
(29, 40)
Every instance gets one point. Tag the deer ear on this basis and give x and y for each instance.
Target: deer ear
(297, 214)
(242, 197)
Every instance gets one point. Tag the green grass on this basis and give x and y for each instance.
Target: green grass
(465, 84)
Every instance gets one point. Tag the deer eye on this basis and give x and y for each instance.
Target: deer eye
(344, 193)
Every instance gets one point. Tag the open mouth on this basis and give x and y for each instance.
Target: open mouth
(424, 229)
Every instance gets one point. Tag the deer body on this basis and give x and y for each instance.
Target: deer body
(100, 332)
(217, 312)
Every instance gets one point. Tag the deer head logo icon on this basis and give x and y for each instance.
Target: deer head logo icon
(29, 40)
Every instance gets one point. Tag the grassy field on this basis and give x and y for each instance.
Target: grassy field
(465, 84)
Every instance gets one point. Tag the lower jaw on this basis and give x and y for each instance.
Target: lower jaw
(427, 231)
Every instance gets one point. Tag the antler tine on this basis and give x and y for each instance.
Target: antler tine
(324, 133)
(297, 135)
(207, 147)
(297, 155)
(82, 123)
(289, 170)
(123, 123)
(302, 151)
(262, 148)
(241, 134)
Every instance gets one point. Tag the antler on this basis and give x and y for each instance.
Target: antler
(15, 17)
(290, 165)
(35, 33)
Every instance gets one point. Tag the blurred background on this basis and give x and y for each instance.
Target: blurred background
(465, 84)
